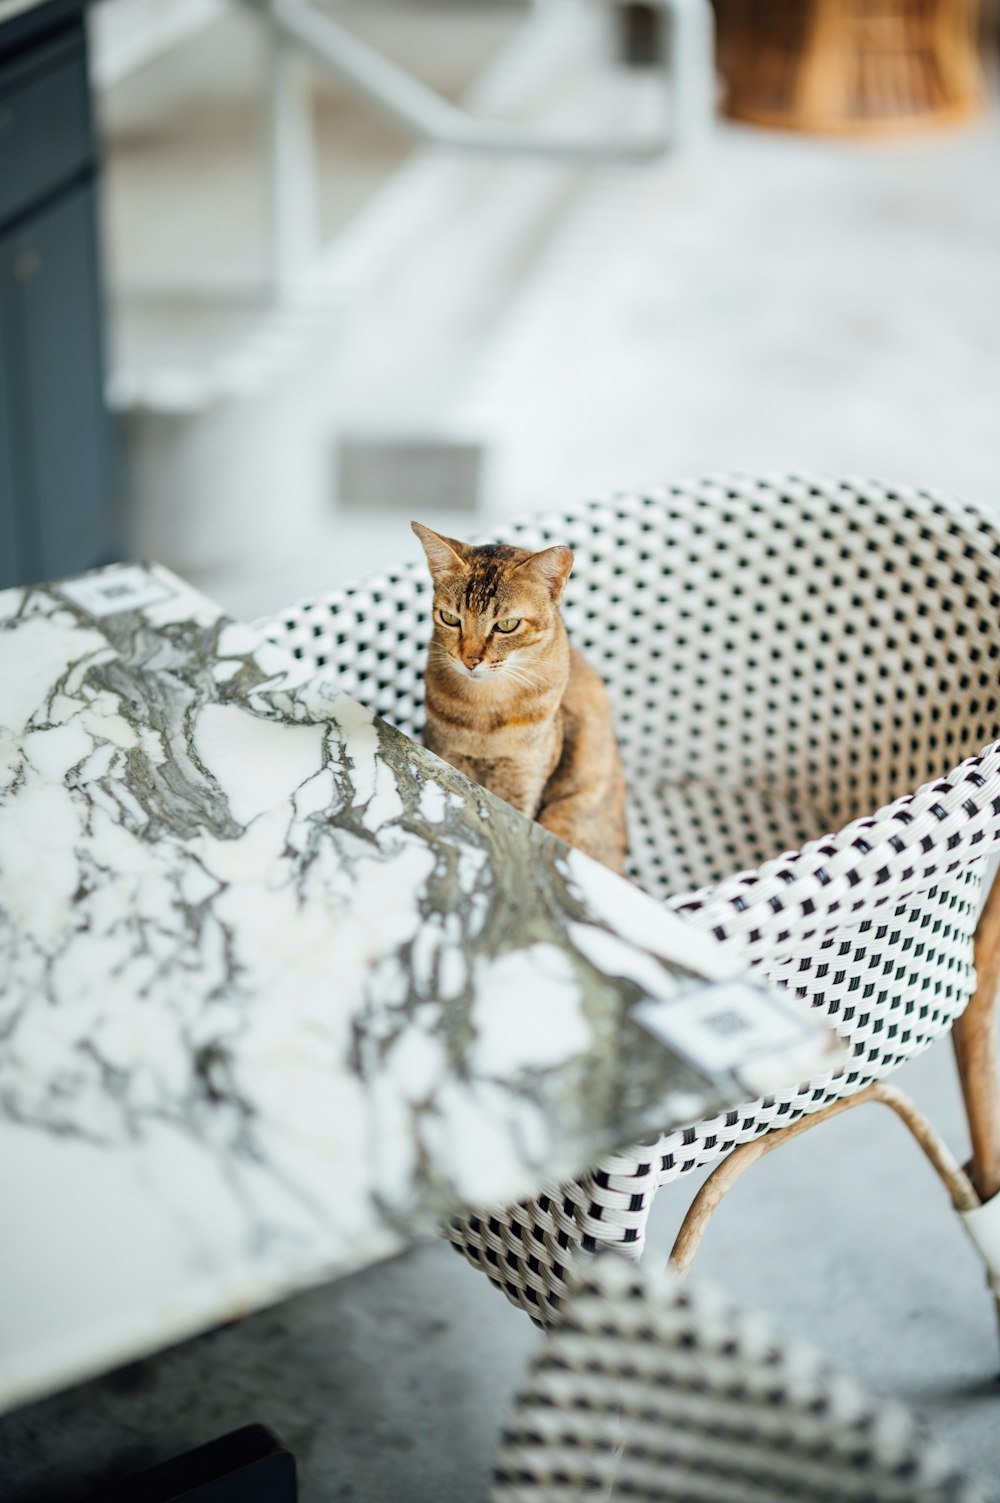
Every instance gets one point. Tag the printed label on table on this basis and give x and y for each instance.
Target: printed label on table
(723, 1027)
(127, 588)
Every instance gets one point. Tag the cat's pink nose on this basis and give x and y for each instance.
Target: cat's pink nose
(471, 660)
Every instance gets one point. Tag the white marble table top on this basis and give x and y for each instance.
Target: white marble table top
(278, 988)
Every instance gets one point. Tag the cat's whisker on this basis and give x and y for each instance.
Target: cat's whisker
(524, 676)
(434, 646)
(520, 677)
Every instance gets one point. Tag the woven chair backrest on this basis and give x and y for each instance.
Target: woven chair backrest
(833, 641)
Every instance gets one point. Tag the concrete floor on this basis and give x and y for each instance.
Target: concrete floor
(768, 303)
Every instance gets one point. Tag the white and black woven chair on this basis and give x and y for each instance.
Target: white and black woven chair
(648, 1390)
(787, 657)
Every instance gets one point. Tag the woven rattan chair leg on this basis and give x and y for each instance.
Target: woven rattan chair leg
(977, 1051)
(953, 1177)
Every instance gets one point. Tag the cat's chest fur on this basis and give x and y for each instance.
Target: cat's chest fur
(510, 744)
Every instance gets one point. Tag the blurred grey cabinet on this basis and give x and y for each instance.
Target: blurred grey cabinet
(56, 511)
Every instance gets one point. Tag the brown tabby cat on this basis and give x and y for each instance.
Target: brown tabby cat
(510, 702)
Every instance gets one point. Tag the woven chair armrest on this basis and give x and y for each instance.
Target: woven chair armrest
(873, 863)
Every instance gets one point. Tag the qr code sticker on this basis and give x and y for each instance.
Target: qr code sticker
(727, 1024)
(723, 1027)
(128, 587)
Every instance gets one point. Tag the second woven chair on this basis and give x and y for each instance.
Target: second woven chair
(787, 657)
(648, 1390)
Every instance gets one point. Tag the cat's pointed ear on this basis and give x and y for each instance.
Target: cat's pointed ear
(553, 565)
(444, 555)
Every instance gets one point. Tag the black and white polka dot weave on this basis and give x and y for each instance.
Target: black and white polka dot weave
(804, 673)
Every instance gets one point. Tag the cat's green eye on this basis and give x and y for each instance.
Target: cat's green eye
(449, 618)
(510, 623)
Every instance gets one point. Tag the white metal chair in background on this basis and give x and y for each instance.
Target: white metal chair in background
(297, 29)
(787, 657)
(648, 1390)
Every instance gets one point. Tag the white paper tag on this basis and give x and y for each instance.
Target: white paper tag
(124, 587)
(723, 1027)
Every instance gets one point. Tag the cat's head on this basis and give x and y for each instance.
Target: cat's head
(496, 608)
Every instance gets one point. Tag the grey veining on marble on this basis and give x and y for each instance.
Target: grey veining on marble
(278, 988)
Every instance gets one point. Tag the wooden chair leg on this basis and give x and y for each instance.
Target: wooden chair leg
(980, 1219)
(975, 1195)
(977, 1054)
(977, 1051)
(960, 1188)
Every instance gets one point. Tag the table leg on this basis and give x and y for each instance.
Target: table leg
(246, 1466)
